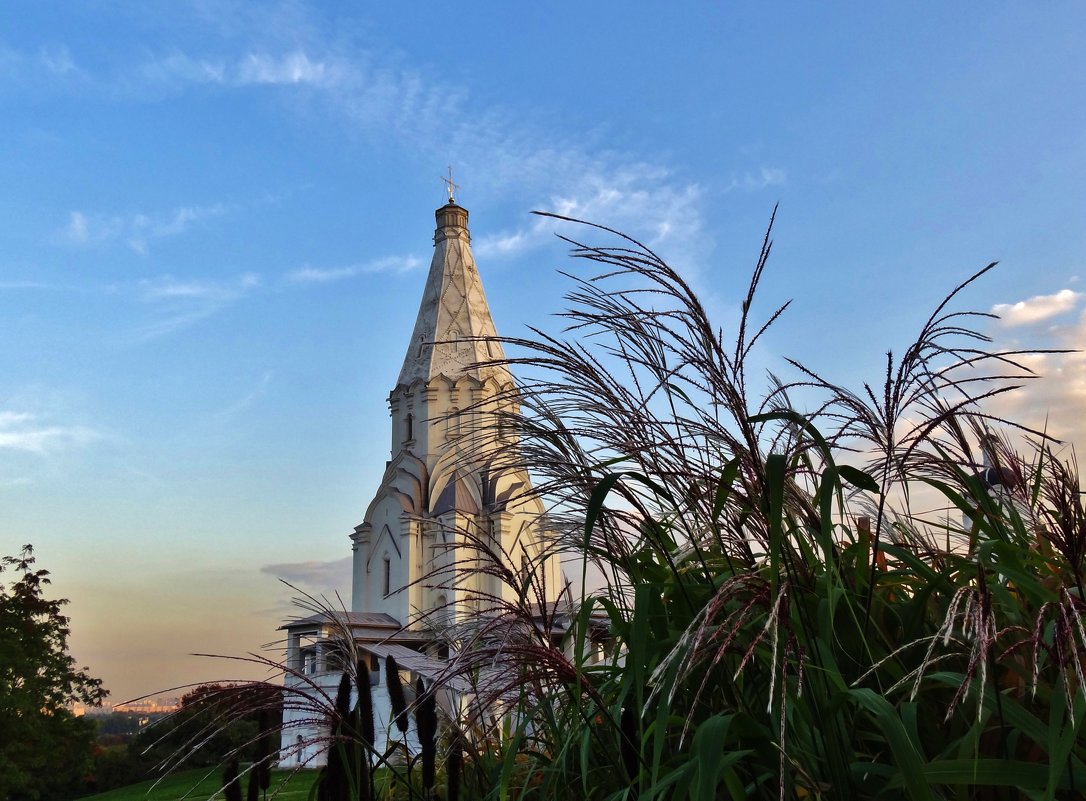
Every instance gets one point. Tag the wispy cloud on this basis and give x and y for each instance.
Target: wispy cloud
(167, 287)
(321, 577)
(178, 304)
(498, 150)
(136, 230)
(7, 286)
(57, 60)
(27, 432)
(326, 275)
(763, 178)
(77, 231)
(23, 70)
(246, 400)
(1038, 308)
(173, 70)
(255, 68)
(641, 199)
(318, 275)
(528, 160)
(291, 69)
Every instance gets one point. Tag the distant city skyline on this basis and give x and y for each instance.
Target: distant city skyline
(216, 218)
(155, 705)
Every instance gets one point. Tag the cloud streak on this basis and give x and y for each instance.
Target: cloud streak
(137, 230)
(247, 400)
(500, 150)
(527, 160)
(51, 65)
(642, 199)
(1038, 308)
(322, 577)
(169, 288)
(25, 432)
(764, 178)
(178, 304)
(296, 67)
(397, 265)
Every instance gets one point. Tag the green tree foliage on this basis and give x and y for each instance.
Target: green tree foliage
(122, 724)
(214, 722)
(45, 750)
(117, 761)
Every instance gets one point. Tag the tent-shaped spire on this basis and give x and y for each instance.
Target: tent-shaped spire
(453, 312)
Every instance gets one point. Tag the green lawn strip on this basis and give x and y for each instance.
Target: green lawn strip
(197, 785)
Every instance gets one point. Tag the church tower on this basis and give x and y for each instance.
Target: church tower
(445, 488)
(449, 487)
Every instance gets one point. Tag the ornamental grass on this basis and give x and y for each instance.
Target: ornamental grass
(778, 615)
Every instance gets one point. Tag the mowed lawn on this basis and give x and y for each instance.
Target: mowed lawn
(197, 785)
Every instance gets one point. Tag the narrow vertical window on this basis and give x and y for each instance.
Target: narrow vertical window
(388, 576)
(409, 427)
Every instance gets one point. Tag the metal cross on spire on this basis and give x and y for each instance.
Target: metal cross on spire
(449, 185)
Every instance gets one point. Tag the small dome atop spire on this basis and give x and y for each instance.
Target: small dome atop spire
(452, 222)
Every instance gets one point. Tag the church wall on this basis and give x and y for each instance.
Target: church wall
(304, 735)
(382, 562)
(433, 438)
(419, 415)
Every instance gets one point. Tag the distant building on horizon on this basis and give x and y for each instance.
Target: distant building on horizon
(444, 484)
(156, 705)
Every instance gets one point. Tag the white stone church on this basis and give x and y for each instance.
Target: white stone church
(443, 486)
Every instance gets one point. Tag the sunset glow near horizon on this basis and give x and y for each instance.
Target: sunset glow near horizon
(215, 221)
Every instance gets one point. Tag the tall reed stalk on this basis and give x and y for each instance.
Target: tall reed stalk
(781, 621)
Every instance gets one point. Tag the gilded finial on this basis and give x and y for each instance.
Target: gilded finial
(450, 186)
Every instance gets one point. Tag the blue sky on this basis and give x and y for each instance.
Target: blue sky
(215, 219)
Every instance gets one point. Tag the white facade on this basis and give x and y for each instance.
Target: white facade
(317, 658)
(447, 486)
